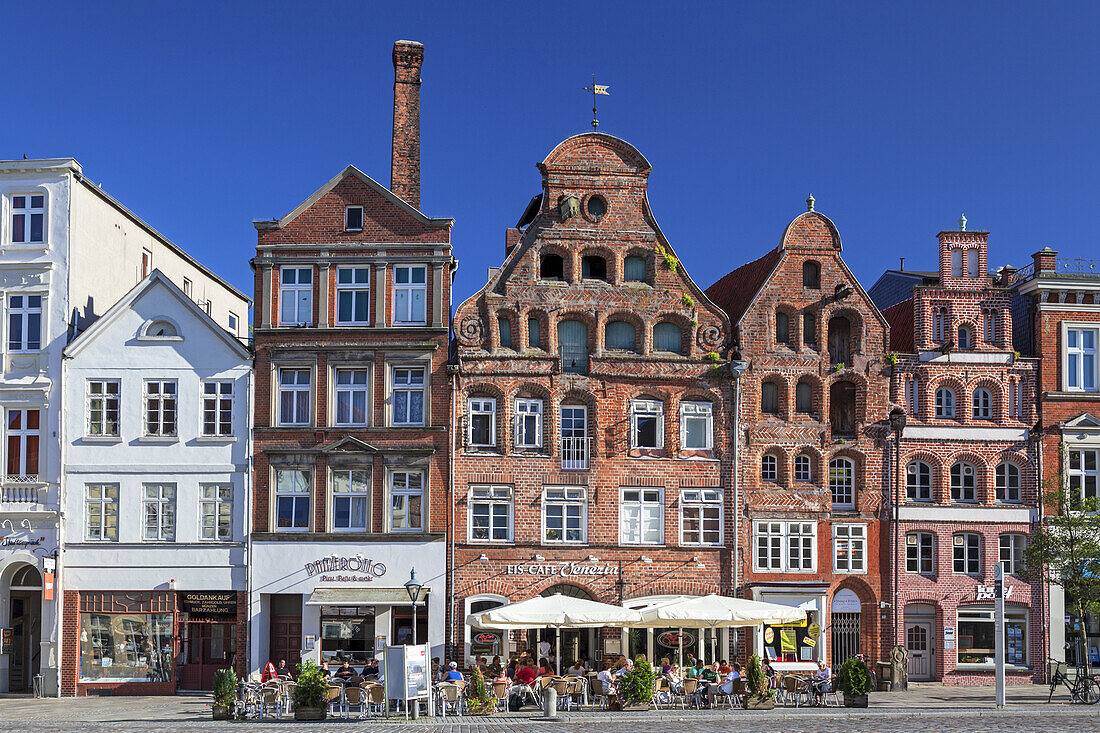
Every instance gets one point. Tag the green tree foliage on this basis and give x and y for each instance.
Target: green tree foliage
(312, 687)
(637, 684)
(854, 678)
(225, 687)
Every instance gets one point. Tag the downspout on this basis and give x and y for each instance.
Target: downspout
(451, 626)
(737, 368)
(59, 592)
(248, 515)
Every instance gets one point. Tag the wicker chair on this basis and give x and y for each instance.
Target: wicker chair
(450, 696)
(691, 690)
(599, 693)
(376, 698)
(500, 692)
(335, 698)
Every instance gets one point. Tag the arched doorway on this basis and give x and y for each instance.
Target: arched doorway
(844, 615)
(575, 643)
(25, 622)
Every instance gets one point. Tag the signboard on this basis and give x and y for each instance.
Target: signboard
(485, 643)
(563, 568)
(786, 641)
(11, 540)
(671, 639)
(405, 670)
(769, 635)
(812, 631)
(47, 585)
(948, 637)
(5, 641)
(361, 569)
(209, 603)
(991, 592)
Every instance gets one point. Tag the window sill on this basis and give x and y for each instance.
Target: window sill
(564, 543)
(159, 439)
(102, 439)
(482, 450)
(491, 543)
(989, 667)
(216, 439)
(530, 452)
(26, 246)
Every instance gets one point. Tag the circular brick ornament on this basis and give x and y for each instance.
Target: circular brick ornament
(471, 332)
(710, 337)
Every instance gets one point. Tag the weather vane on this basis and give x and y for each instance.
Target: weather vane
(596, 89)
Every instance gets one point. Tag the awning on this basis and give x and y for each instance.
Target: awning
(362, 597)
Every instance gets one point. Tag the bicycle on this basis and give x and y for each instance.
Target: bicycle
(1082, 688)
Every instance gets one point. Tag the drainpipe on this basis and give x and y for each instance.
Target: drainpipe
(737, 368)
(248, 488)
(451, 626)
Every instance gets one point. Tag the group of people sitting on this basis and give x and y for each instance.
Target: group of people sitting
(343, 673)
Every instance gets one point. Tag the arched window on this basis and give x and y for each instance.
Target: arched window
(811, 275)
(840, 339)
(804, 397)
(769, 398)
(505, 327)
(634, 269)
(769, 468)
(971, 263)
(668, 336)
(782, 328)
(842, 483)
(966, 339)
(552, 267)
(1008, 483)
(803, 468)
(593, 267)
(842, 408)
(956, 262)
(964, 482)
(161, 330)
(573, 345)
(619, 336)
(918, 481)
(945, 402)
(983, 404)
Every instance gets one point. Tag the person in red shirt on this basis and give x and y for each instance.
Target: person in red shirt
(526, 674)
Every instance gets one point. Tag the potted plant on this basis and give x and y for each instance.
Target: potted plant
(635, 688)
(759, 696)
(225, 693)
(311, 694)
(478, 699)
(854, 680)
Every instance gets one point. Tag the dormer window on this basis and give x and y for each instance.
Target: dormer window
(353, 218)
(28, 218)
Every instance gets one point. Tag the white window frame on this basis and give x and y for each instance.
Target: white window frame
(102, 427)
(576, 450)
(355, 289)
(1078, 354)
(347, 219)
(701, 501)
(404, 384)
(146, 263)
(643, 500)
(647, 409)
(234, 323)
(971, 553)
(300, 293)
(478, 408)
(294, 391)
(920, 491)
(188, 287)
(945, 403)
(1008, 483)
(982, 404)
(348, 391)
(296, 494)
(939, 323)
(393, 492)
(959, 496)
(782, 541)
(852, 540)
(492, 498)
(1077, 477)
(103, 506)
(22, 436)
(356, 478)
(848, 500)
(918, 540)
(216, 504)
(164, 404)
(697, 411)
(20, 340)
(528, 409)
(218, 400)
(769, 467)
(568, 498)
(160, 499)
(28, 212)
(1017, 543)
(803, 468)
(410, 289)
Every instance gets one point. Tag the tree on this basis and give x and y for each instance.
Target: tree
(1065, 551)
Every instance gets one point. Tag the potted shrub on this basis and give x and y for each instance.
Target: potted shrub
(478, 699)
(758, 695)
(854, 680)
(311, 694)
(225, 693)
(635, 688)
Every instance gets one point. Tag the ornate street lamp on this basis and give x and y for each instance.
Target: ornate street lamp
(897, 424)
(413, 588)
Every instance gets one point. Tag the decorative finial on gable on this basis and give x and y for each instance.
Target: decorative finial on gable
(962, 222)
(810, 203)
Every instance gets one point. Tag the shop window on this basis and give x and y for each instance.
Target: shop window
(964, 482)
(552, 267)
(350, 500)
(482, 415)
(647, 424)
(593, 267)
(696, 425)
(620, 336)
(967, 553)
(804, 398)
(840, 338)
(700, 517)
(406, 501)
(564, 515)
(573, 347)
(769, 398)
(782, 328)
(1083, 476)
(850, 548)
(1012, 553)
(668, 337)
(490, 514)
(634, 269)
(982, 404)
(126, 647)
(785, 546)
(918, 481)
(528, 423)
(642, 517)
(1008, 483)
(769, 468)
(811, 275)
(976, 633)
(292, 500)
(803, 468)
(919, 557)
(945, 403)
(347, 633)
(842, 409)
(842, 483)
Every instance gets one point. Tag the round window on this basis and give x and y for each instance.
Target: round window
(597, 206)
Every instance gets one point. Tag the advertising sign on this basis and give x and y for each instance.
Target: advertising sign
(671, 639)
(406, 672)
(209, 603)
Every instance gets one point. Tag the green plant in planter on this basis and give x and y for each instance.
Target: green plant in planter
(225, 690)
(637, 684)
(478, 699)
(312, 688)
(891, 358)
(854, 678)
(756, 683)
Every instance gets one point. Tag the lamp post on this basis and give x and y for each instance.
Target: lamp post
(897, 424)
(413, 588)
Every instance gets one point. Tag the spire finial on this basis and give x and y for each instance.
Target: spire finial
(596, 89)
(810, 202)
(962, 222)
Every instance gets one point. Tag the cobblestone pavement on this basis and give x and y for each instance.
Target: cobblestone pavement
(926, 709)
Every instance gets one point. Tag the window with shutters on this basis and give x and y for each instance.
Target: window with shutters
(956, 262)
(809, 330)
(967, 553)
(647, 426)
(410, 294)
(642, 517)
(490, 513)
(972, 263)
(296, 296)
(528, 423)
(593, 267)
(811, 275)
(573, 347)
(534, 333)
(700, 517)
(919, 555)
(840, 340)
(769, 398)
(696, 425)
(564, 515)
(352, 296)
(804, 398)
(634, 269)
(782, 328)
(482, 416)
(619, 336)
(504, 328)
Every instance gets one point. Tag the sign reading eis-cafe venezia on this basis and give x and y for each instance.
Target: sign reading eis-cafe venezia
(563, 568)
(361, 569)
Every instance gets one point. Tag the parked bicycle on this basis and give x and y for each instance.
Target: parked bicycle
(1082, 688)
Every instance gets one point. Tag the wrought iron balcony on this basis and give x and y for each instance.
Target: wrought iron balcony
(575, 453)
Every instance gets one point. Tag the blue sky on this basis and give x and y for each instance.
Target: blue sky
(204, 116)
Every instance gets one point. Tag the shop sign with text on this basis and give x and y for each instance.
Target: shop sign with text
(361, 568)
(563, 568)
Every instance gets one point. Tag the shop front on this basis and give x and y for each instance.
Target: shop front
(797, 646)
(28, 607)
(208, 625)
(344, 601)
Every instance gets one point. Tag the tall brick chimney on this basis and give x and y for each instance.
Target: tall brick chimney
(408, 57)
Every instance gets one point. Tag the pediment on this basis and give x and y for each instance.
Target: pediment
(349, 444)
(1084, 421)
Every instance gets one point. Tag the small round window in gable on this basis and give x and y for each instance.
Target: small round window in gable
(596, 206)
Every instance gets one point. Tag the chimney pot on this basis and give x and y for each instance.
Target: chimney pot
(408, 57)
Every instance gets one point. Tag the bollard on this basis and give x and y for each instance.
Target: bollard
(414, 711)
(549, 702)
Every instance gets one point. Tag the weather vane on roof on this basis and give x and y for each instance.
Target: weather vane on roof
(596, 89)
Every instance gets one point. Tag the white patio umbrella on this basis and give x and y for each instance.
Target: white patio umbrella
(557, 612)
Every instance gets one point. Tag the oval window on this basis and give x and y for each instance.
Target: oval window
(597, 206)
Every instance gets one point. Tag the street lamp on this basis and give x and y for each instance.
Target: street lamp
(413, 588)
(897, 424)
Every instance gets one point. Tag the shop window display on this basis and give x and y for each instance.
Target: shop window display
(126, 647)
(977, 637)
(347, 632)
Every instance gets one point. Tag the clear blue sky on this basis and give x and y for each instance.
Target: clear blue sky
(203, 116)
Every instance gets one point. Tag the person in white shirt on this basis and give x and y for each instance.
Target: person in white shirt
(726, 686)
(578, 669)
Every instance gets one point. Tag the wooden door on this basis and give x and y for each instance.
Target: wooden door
(286, 640)
(918, 640)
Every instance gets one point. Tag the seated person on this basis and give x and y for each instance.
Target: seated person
(607, 677)
(526, 674)
(345, 672)
(625, 667)
(724, 667)
(822, 679)
(726, 686)
(769, 673)
(494, 668)
(284, 671)
(546, 669)
(709, 674)
(325, 670)
(370, 669)
(452, 673)
(578, 669)
(675, 681)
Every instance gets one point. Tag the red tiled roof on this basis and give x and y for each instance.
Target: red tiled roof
(735, 291)
(900, 318)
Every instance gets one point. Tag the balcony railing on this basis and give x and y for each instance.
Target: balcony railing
(575, 453)
(574, 359)
(1063, 266)
(20, 493)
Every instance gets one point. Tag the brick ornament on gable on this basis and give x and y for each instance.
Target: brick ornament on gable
(710, 337)
(472, 331)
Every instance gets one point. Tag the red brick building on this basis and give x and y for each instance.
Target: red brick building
(1058, 308)
(813, 403)
(592, 410)
(967, 484)
(351, 409)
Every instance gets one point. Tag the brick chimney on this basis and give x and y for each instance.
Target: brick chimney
(1045, 260)
(511, 239)
(408, 57)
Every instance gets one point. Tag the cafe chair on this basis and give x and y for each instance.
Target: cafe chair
(353, 698)
(269, 700)
(335, 698)
(561, 686)
(376, 699)
(599, 694)
(691, 691)
(450, 698)
(500, 692)
(288, 696)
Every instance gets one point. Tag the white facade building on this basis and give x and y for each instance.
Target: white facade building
(155, 494)
(68, 251)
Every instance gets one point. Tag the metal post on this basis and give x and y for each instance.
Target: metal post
(999, 644)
